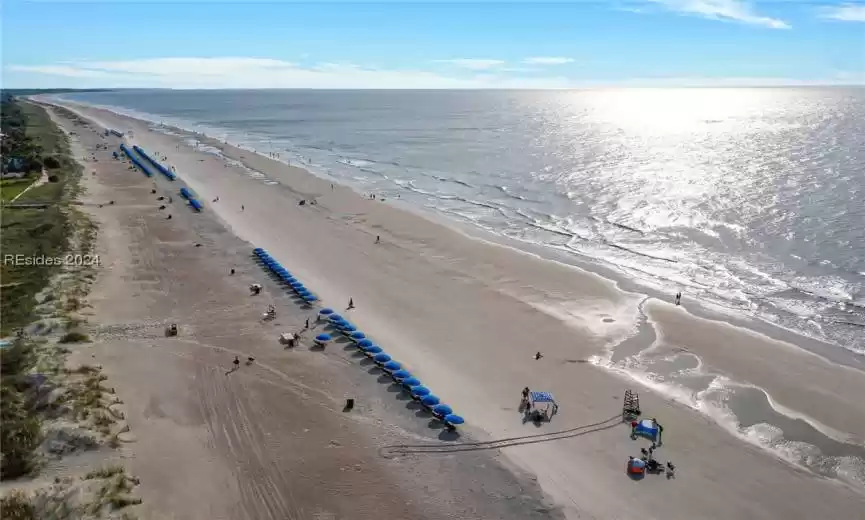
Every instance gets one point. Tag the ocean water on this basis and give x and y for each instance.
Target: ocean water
(748, 199)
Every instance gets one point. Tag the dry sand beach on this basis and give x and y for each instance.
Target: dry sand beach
(466, 316)
(268, 440)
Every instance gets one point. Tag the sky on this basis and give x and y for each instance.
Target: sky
(410, 44)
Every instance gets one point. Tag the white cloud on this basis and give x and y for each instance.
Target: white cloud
(474, 63)
(726, 10)
(547, 60)
(846, 13)
(251, 73)
(238, 72)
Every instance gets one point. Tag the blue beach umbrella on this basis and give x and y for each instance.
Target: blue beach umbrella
(401, 374)
(365, 344)
(392, 366)
(419, 391)
(336, 317)
(411, 381)
(257, 250)
(454, 419)
(381, 358)
(323, 337)
(296, 284)
(430, 400)
(357, 336)
(343, 323)
(310, 299)
(442, 409)
(375, 349)
(326, 312)
(303, 291)
(348, 329)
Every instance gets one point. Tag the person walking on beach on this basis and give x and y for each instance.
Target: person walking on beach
(679, 298)
(350, 303)
(242, 207)
(538, 356)
(307, 323)
(236, 362)
(377, 239)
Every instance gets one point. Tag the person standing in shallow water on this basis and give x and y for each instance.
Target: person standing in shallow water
(679, 298)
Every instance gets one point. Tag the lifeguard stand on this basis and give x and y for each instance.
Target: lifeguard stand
(631, 406)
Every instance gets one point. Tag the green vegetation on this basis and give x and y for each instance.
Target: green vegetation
(106, 472)
(21, 152)
(10, 188)
(29, 234)
(16, 506)
(33, 233)
(74, 337)
(20, 426)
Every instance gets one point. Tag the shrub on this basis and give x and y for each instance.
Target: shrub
(74, 337)
(16, 506)
(51, 162)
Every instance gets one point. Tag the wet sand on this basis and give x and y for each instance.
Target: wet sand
(467, 316)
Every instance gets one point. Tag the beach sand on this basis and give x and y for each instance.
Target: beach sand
(269, 440)
(466, 316)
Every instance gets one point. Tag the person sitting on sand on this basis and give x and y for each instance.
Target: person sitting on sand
(236, 362)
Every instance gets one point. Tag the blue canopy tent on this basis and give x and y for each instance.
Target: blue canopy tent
(430, 400)
(401, 374)
(392, 366)
(646, 428)
(441, 410)
(543, 398)
(381, 358)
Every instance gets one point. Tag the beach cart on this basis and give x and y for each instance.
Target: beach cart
(543, 406)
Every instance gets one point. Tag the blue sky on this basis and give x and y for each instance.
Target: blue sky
(431, 45)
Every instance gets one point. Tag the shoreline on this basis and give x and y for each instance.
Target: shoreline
(700, 308)
(599, 293)
(268, 440)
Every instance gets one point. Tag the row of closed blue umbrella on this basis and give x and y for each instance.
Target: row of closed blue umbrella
(282, 273)
(135, 160)
(395, 369)
(156, 164)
